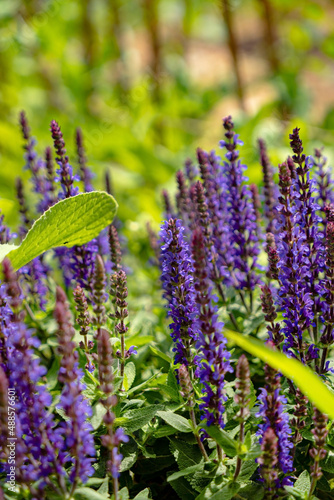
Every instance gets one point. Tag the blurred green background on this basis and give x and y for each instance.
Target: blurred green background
(149, 80)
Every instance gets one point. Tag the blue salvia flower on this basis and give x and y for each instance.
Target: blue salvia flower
(178, 285)
(215, 194)
(244, 243)
(36, 271)
(213, 360)
(273, 413)
(66, 178)
(324, 182)
(36, 456)
(294, 296)
(5, 234)
(42, 174)
(78, 439)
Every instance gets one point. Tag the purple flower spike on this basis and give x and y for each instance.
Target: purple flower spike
(78, 439)
(274, 416)
(244, 231)
(178, 285)
(65, 171)
(213, 360)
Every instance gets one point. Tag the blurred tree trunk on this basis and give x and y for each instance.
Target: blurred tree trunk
(270, 37)
(151, 16)
(234, 49)
(120, 76)
(88, 44)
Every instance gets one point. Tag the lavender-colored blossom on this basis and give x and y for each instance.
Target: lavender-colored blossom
(36, 457)
(244, 242)
(65, 171)
(5, 234)
(212, 360)
(168, 209)
(273, 414)
(76, 430)
(42, 178)
(324, 181)
(214, 214)
(294, 295)
(178, 284)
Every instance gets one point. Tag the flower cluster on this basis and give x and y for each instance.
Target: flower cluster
(178, 284)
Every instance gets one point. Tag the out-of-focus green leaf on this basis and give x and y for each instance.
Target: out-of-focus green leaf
(308, 382)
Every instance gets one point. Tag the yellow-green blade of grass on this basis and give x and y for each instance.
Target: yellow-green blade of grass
(308, 382)
(73, 221)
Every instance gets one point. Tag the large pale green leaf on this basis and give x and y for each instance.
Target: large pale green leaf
(70, 222)
(308, 382)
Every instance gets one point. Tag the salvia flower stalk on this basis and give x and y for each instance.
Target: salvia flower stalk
(178, 284)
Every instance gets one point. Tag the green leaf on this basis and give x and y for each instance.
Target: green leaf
(183, 489)
(177, 421)
(160, 354)
(328, 463)
(129, 375)
(70, 222)
(248, 468)
(143, 495)
(144, 384)
(88, 494)
(104, 488)
(251, 491)
(308, 382)
(215, 492)
(136, 419)
(98, 413)
(185, 472)
(223, 439)
(123, 494)
(303, 482)
(185, 454)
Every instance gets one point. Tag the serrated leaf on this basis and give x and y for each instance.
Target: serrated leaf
(248, 468)
(85, 493)
(185, 454)
(252, 491)
(136, 419)
(73, 221)
(223, 439)
(308, 382)
(328, 463)
(212, 492)
(183, 489)
(129, 453)
(177, 421)
(143, 495)
(129, 375)
(303, 482)
(123, 494)
(104, 488)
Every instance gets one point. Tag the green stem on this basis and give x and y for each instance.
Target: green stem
(198, 439)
